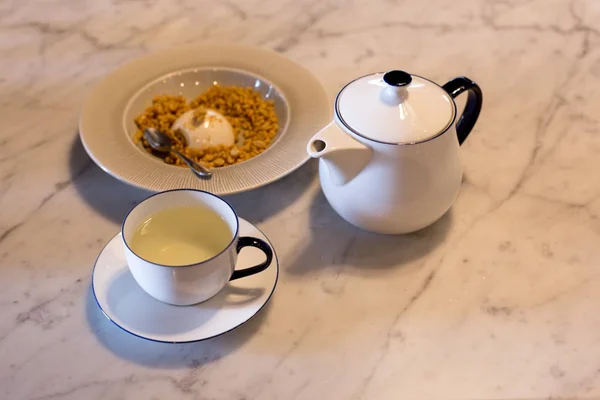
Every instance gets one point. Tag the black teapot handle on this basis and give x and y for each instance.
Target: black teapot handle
(473, 107)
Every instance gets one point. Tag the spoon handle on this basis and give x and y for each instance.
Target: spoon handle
(196, 168)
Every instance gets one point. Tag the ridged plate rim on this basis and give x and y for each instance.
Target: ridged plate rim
(101, 131)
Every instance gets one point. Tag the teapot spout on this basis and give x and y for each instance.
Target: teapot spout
(343, 155)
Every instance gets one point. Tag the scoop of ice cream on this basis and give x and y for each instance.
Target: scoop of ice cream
(204, 128)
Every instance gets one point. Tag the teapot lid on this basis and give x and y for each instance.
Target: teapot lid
(395, 108)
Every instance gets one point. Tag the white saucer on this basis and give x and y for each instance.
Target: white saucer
(124, 302)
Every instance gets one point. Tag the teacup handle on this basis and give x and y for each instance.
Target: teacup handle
(246, 241)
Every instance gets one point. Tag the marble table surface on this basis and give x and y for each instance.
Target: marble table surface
(497, 300)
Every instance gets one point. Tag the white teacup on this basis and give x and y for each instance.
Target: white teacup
(189, 284)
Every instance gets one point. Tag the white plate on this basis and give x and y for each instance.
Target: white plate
(124, 302)
(106, 126)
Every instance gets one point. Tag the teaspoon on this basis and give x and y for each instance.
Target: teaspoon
(159, 141)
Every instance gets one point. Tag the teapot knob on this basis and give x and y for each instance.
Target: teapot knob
(397, 78)
(395, 93)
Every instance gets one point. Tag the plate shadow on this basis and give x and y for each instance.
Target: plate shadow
(105, 194)
(260, 204)
(113, 198)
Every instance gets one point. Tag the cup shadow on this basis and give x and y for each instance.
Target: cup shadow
(113, 198)
(123, 302)
(168, 355)
(335, 243)
(124, 298)
(238, 296)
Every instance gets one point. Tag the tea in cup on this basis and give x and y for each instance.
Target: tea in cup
(182, 245)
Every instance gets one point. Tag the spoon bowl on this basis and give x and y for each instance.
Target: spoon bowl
(159, 141)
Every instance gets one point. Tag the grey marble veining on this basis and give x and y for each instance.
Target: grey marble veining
(498, 300)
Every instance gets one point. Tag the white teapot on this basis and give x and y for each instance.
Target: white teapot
(389, 161)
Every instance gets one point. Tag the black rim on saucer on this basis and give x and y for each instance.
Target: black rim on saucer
(276, 262)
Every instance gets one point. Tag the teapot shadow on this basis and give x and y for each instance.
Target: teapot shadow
(168, 355)
(113, 198)
(335, 243)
